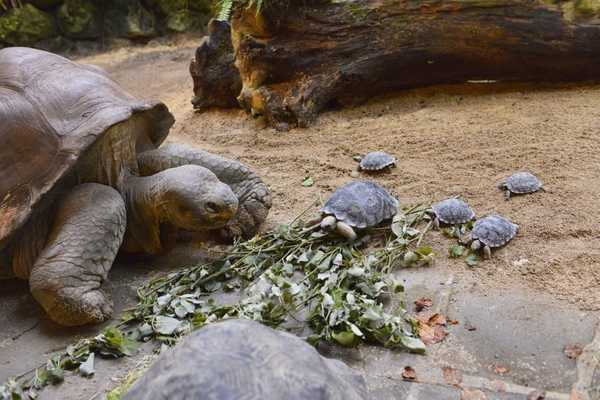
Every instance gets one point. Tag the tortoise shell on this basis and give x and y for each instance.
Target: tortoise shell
(242, 359)
(52, 112)
(377, 161)
(494, 230)
(361, 204)
(453, 211)
(522, 182)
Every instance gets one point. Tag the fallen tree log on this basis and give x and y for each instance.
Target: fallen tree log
(297, 57)
(217, 81)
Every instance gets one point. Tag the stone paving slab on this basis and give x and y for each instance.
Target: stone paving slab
(524, 333)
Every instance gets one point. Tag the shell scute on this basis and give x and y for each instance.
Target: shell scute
(453, 211)
(361, 204)
(494, 230)
(522, 183)
(377, 161)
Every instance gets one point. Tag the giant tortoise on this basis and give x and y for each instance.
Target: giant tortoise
(72, 192)
(242, 359)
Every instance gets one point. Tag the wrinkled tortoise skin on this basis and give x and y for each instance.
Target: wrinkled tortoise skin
(361, 204)
(494, 230)
(242, 359)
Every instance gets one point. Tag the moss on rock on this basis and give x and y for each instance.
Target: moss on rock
(78, 19)
(45, 4)
(183, 15)
(129, 19)
(24, 26)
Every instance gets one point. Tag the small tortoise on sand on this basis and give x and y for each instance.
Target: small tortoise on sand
(451, 212)
(359, 204)
(490, 232)
(242, 359)
(71, 190)
(376, 161)
(520, 183)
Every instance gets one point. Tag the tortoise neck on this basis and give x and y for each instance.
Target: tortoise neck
(145, 203)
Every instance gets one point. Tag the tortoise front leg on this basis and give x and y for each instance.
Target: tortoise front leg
(68, 275)
(253, 195)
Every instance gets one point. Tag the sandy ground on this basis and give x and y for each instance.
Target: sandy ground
(452, 140)
(536, 295)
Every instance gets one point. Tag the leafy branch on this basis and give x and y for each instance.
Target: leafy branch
(293, 277)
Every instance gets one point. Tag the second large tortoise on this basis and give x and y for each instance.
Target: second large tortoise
(72, 192)
(242, 359)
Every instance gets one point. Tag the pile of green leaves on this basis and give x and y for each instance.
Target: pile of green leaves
(296, 274)
(79, 357)
(460, 249)
(296, 277)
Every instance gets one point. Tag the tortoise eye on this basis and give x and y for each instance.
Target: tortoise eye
(212, 207)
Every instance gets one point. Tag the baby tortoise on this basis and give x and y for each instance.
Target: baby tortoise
(451, 211)
(376, 161)
(491, 232)
(359, 204)
(520, 183)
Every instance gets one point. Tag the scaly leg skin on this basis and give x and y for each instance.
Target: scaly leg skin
(253, 195)
(346, 231)
(487, 252)
(87, 232)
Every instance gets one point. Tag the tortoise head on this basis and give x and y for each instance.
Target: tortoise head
(193, 198)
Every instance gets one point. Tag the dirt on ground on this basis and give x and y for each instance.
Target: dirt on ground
(518, 310)
(449, 140)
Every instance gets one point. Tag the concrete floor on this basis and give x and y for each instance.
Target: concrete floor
(522, 334)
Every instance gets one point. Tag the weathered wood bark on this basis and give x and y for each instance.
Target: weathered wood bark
(216, 79)
(296, 59)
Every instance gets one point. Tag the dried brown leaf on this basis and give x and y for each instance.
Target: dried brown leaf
(437, 319)
(426, 333)
(422, 303)
(501, 369)
(409, 374)
(573, 351)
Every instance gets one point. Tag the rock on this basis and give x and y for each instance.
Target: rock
(183, 15)
(78, 19)
(45, 4)
(129, 19)
(24, 26)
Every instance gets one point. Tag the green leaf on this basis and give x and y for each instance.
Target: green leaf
(424, 250)
(413, 344)
(115, 343)
(55, 375)
(456, 251)
(397, 229)
(345, 338)
(355, 329)
(86, 368)
(472, 260)
(165, 325)
(308, 182)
